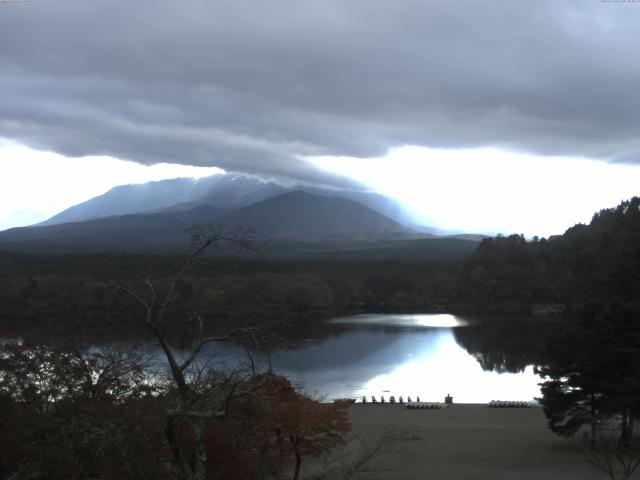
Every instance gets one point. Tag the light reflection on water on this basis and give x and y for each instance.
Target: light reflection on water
(415, 355)
(410, 355)
(435, 320)
(402, 355)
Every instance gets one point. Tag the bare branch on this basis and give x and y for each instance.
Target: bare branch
(138, 299)
(199, 397)
(614, 459)
(222, 338)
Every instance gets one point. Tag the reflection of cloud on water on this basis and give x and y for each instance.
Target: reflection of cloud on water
(357, 357)
(428, 363)
(431, 320)
(451, 370)
(403, 361)
(350, 349)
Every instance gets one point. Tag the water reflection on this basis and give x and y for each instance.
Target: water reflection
(505, 346)
(427, 355)
(410, 355)
(435, 320)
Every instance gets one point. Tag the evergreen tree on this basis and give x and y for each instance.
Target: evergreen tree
(593, 372)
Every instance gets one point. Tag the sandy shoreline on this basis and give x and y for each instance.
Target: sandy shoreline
(469, 442)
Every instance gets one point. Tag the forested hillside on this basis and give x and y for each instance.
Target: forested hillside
(599, 262)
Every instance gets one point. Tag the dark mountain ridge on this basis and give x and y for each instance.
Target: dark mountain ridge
(294, 216)
(303, 215)
(138, 233)
(228, 192)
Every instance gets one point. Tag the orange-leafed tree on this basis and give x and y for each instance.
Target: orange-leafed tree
(297, 426)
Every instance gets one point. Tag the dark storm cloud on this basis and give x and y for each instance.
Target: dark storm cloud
(252, 86)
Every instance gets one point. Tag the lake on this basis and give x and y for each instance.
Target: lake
(431, 355)
(428, 356)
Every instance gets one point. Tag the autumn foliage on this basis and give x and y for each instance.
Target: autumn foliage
(297, 426)
(68, 413)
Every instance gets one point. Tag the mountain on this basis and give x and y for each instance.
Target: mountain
(137, 233)
(303, 215)
(295, 216)
(232, 191)
(228, 191)
(165, 194)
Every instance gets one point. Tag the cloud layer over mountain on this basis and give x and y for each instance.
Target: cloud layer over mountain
(253, 86)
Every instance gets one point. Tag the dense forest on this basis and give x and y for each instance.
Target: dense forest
(599, 262)
(65, 290)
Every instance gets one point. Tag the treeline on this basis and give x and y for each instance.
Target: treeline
(79, 290)
(599, 262)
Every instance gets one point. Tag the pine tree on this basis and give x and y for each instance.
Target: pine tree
(593, 372)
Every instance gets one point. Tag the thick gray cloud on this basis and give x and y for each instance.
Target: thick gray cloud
(252, 86)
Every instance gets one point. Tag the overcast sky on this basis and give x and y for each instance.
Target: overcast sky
(262, 87)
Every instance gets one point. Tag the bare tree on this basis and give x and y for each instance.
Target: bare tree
(200, 395)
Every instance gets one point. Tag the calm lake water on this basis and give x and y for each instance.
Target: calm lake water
(430, 356)
(414, 355)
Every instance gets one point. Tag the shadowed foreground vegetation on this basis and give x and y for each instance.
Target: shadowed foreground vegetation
(69, 413)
